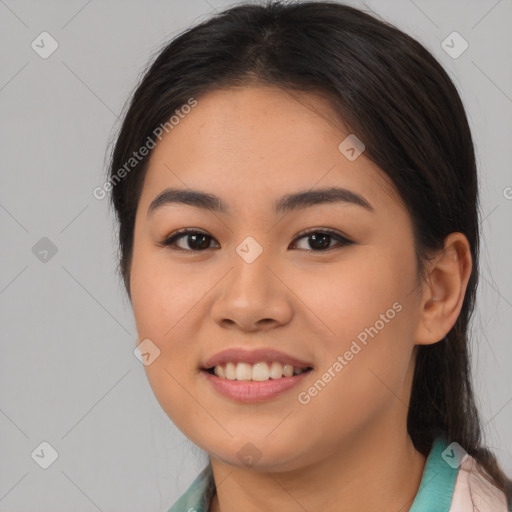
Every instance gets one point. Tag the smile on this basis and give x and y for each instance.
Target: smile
(262, 371)
(249, 390)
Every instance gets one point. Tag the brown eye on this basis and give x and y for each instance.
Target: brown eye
(194, 240)
(320, 240)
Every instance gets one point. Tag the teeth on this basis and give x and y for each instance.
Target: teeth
(257, 372)
(276, 370)
(230, 371)
(260, 371)
(287, 370)
(243, 371)
(219, 371)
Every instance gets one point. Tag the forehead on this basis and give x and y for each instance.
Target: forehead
(257, 143)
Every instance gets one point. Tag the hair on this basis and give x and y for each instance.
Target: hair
(394, 96)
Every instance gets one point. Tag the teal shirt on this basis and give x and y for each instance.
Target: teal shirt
(434, 494)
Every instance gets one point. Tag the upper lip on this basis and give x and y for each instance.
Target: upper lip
(243, 355)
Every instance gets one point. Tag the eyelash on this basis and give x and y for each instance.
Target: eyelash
(170, 241)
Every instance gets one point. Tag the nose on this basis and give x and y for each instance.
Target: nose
(253, 296)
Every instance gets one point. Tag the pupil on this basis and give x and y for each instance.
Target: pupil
(323, 237)
(204, 245)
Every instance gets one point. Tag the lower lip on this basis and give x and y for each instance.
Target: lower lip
(253, 391)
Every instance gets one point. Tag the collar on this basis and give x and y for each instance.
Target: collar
(440, 480)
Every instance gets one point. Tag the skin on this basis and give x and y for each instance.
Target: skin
(349, 444)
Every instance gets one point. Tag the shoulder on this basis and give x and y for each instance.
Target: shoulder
(452, 482)
(473, 492)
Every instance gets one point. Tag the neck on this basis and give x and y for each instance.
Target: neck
(376, 470)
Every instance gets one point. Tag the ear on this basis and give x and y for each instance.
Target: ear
(444, 290)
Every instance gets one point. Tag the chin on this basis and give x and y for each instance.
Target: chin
(263, 455)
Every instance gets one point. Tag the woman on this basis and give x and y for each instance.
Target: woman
(297, 199)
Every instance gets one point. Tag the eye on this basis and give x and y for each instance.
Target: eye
(198, 241)
(320, 239)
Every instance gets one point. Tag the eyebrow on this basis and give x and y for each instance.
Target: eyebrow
(287, 203)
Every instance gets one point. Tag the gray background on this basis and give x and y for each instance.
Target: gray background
(69, 376)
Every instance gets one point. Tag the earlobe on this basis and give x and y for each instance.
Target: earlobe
(444, 290)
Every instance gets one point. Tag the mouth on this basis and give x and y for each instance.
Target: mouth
(254, 375)
(251, 390)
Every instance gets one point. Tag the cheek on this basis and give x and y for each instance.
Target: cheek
(162, 302)
(365, 312)
(161, 293)
(358, 382)
(342, 299)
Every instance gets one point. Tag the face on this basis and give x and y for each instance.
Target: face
(329, 284)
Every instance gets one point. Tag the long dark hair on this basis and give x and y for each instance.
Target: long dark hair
(393, 94)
